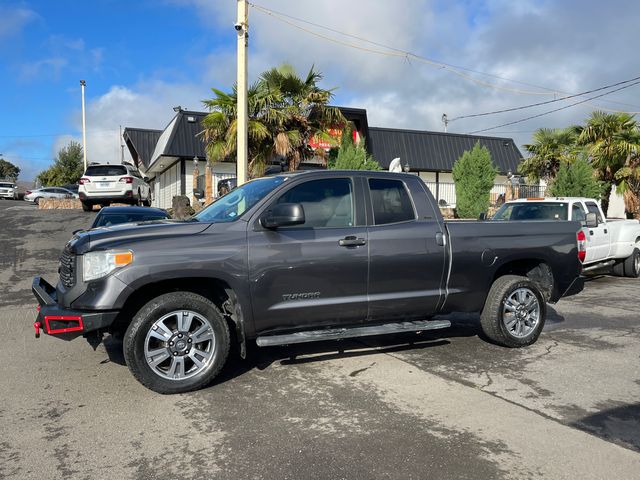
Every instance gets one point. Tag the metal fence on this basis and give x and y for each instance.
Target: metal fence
(445, 193)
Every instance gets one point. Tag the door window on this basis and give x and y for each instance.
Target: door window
(327, 203)
(593, 208)
(577, 213)
(391, 201)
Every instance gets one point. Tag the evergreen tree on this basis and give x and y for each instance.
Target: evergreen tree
(576, 180)
(8, 170)
(351, 155)
(473, 174)
(67, 168)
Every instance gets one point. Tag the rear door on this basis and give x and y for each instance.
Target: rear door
(406, 263)
(599, 238)
(316, 273)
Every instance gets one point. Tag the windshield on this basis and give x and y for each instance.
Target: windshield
(7, 185)
(532, 211)
(235, 203)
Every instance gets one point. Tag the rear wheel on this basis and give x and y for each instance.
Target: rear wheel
(176, 343)
(87, 207)
(514, 312)
(37, 200)
(147, 201)
(632, 264)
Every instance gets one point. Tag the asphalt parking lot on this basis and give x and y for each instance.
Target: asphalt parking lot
(437, 405)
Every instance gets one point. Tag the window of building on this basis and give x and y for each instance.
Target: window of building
(391, 201)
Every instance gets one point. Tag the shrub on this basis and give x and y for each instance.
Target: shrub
(473, 174)
(576, 180)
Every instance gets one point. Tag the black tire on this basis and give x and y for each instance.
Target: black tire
(632, 264)
(147, 201)
(169, 306)
(37, 200)
(618, 269)
(87, 207)
(493, 320)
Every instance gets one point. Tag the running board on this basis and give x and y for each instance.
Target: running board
(340, 333)
(599, 266)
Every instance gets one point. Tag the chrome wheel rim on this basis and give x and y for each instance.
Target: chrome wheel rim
(521, 312)
(180, 345)
(637, 265)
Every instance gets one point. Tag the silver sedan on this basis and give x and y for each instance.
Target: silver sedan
(48, 192)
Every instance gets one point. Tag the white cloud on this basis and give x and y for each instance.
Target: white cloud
(14, 20)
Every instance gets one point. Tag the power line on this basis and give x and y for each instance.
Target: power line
(395, 52)
(547, 102)
(555, 110)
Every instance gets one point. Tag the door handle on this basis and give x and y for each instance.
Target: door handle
(441, 239)
(605, 230)
(351, 241)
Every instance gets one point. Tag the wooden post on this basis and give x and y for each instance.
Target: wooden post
(208, 189)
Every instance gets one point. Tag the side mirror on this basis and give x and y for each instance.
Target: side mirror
(482, 216)
(283, 215)
(592, 220)
(146, 179)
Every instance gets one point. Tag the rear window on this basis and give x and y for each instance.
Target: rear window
(106, 171)
(391, 201)
(532, 211)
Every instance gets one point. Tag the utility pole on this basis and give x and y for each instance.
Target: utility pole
(242, 29)
(445, 120)
(84, 127)
(121, 147)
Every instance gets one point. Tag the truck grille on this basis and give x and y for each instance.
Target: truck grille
(67, 268)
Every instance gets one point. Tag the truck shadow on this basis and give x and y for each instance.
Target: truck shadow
(463, 325)
(620, 425)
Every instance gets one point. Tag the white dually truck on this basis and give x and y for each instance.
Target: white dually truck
(612, 244)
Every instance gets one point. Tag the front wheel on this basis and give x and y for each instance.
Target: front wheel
(632, 264)
(178, 342)
(514, 312)
(87, 207)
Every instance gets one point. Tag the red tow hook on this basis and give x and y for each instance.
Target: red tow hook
(37, 326)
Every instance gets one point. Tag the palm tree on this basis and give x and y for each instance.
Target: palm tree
(285, 112)
(551, 147)
(612, 141)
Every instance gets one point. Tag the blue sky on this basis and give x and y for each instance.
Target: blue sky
(140, 58)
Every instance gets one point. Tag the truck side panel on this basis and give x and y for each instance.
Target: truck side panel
(480, 249)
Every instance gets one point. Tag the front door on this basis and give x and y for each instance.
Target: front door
(312, 274)
(598, 238)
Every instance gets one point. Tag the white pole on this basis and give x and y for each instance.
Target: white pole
(242, 28)
(84, 127)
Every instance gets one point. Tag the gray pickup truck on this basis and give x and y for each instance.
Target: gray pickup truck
(298, 258)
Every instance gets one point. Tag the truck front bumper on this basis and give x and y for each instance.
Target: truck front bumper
(66, 323)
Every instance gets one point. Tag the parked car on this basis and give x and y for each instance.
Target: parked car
(610, 243)
(8, 190)
(48, 192)
(107, 184)
(116, 215)
(298, 258)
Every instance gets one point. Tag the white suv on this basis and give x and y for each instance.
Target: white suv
(8, 190)
(107, 184)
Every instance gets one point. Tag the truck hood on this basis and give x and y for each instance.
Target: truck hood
(111, 237)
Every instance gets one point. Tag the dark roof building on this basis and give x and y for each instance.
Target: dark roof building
(141, 143)
(436, 151)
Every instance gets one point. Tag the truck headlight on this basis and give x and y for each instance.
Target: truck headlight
(99, 264)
